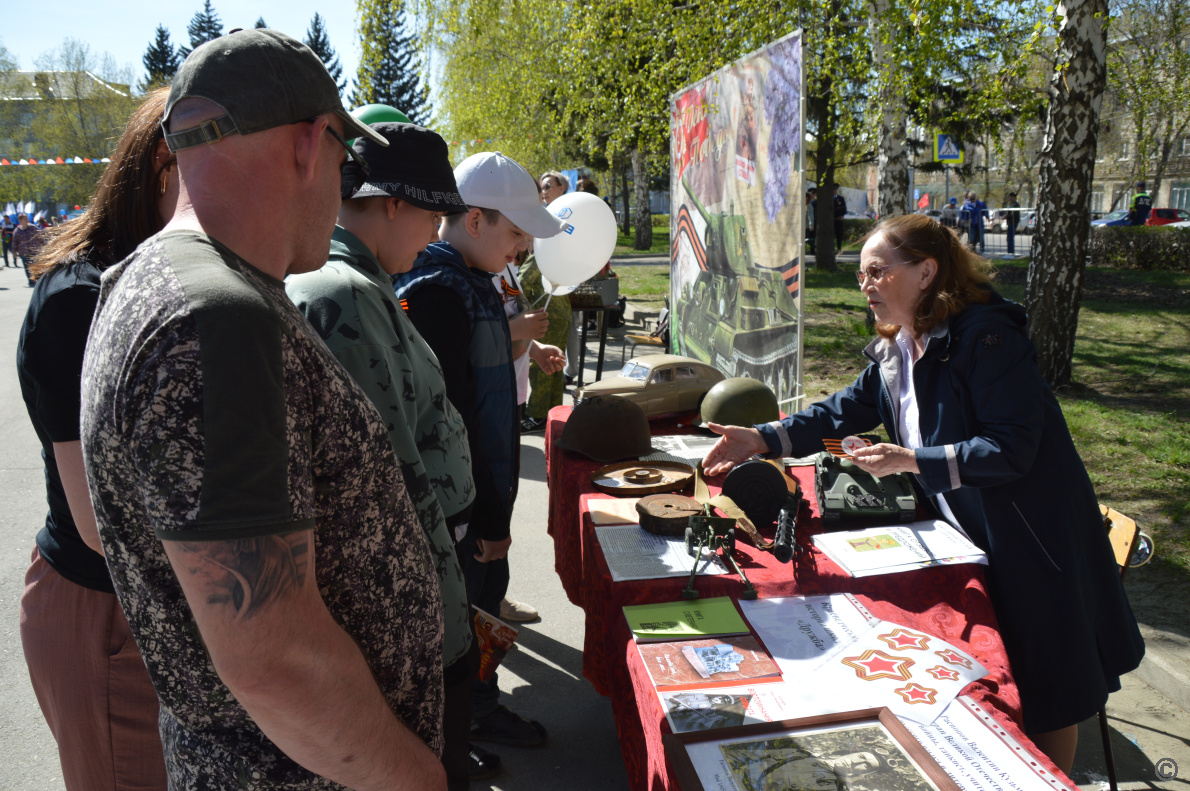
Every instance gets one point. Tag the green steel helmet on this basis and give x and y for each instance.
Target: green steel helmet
(607, 428)
(376, 113)
(740, 401)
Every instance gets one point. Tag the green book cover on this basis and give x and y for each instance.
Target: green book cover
(678, 620)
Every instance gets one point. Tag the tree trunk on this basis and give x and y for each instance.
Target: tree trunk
(1067, 163)
(892, 159)
(627, 218)
(824, 162)
(642, 217)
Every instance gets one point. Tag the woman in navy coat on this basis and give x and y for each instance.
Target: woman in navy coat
(954, 380)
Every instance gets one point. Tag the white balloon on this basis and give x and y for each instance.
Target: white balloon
(556, 291)
(579, 252)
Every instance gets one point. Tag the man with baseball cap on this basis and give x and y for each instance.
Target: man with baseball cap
(220, 434)
(450, 297)
(388, 217)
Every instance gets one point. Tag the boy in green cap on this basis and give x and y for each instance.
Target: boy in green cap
(387, 218)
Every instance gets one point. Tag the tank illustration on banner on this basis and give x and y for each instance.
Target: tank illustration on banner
(737, 314)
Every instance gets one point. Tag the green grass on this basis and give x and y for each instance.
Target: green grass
(644, 283)
(624, 242)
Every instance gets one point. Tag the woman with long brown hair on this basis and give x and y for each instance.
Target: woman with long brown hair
(86, 670)
(954, 380)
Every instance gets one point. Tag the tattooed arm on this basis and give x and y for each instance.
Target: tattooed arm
(296, 672)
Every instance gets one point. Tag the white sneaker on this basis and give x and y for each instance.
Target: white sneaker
(517, 612)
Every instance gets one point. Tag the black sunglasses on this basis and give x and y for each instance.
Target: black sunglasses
(351, 153)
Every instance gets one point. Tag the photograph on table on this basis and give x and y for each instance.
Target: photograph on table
(725, 707)
(868, 750)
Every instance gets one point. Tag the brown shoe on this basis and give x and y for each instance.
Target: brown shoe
(517, 612)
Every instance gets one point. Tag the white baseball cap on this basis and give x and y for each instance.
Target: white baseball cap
(491, 180)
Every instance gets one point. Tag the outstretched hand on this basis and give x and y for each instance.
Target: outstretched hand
(736, 445)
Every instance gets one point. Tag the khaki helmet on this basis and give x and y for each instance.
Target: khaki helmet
(740, 401)
(607, 428)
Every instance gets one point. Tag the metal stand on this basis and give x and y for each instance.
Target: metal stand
(601, 318)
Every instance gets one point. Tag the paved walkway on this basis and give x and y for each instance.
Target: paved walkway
(543, 678)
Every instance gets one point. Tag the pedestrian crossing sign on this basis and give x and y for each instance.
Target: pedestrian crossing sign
(947, 150)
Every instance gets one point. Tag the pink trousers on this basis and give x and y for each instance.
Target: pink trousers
(91, 684)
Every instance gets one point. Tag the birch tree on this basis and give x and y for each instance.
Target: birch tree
(1067, 162)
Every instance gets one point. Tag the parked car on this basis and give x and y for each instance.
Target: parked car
(1028, 223)
(1118, 217)
(1167, 216)
(661, 384)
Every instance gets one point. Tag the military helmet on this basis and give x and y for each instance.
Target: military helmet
(377, 113)
(607, 428)
(739, 401)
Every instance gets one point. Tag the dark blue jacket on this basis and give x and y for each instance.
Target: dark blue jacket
(480, 381)
(994, 441)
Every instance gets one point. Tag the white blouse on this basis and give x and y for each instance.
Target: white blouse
(909, 423)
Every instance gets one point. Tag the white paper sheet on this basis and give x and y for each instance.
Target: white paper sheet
(803, 632)
(892, 549)
(978, 754)
(915, 674)
(843, 658)
(635, 554)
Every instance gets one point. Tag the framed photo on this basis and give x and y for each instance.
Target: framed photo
(867, 750)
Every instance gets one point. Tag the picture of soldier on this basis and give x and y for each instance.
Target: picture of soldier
(698, 711)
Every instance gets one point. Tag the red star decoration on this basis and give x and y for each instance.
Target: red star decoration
(953, 657)
(873, 664)
(900, 639)
(916, 693)
(943, 673)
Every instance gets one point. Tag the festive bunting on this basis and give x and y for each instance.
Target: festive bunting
(54, 161)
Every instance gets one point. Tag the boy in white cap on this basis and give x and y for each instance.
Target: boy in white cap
(450, 298)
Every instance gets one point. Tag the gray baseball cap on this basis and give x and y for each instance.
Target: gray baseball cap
(262, 79)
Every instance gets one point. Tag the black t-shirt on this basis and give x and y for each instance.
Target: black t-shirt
(49, 364)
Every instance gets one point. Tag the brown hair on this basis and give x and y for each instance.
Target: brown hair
(587, 185)
(962, 276)
(123, 210)
(563, 182)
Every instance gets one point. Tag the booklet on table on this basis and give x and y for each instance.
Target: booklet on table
(891, 549)
(708, 663)
(681, 620)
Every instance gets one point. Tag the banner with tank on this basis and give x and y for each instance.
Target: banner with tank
(738, 217)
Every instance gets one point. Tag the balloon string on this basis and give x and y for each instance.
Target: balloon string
(547, 301)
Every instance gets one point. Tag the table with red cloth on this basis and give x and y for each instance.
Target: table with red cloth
(950, 602)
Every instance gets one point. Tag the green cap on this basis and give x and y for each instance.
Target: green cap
(262, 79)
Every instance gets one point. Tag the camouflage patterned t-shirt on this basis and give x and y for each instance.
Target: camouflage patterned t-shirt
(213, 412)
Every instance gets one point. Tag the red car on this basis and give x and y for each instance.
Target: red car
(1167, 216)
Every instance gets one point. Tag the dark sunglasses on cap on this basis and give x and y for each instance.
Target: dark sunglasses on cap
(351, 153)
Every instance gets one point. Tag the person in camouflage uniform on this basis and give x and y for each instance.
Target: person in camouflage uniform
(255, 521)
(545, 390)
(350, 302)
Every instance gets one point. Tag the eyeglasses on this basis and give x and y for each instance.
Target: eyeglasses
(352, 155)
(875, 271)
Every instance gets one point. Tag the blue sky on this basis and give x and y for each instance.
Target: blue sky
(125, 28)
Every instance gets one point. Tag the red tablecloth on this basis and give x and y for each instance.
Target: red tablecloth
(949, 602)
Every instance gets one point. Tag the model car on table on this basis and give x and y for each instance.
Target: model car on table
(660, 384)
